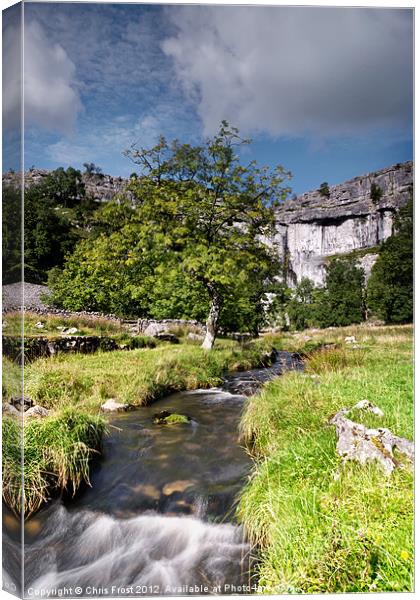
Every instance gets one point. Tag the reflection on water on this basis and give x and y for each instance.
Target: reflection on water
(159, 514)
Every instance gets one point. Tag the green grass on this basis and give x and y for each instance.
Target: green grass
(320, 527)
(57, 454)
(138, 377)
(11, 379)
(85, 325)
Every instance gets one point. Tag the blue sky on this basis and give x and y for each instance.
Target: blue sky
(326, 92)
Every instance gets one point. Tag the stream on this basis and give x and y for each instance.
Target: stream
(159, 517)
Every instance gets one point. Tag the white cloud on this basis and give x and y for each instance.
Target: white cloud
(51, 97)
(12, 79)
(293, 71)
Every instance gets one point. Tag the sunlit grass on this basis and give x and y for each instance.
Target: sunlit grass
(57, 454)
(321, 527)
(137, 377)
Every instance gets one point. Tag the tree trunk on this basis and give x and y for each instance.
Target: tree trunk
(212, 323)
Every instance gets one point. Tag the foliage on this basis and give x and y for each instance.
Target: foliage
(192, 239)
(342, 302)
(321, 527)
(57, 213)
(390, 287)
(57, 454)
(375, 193)
(12, 237)
(339, 303)
(324, 190)
(92, 169)
(300, 308)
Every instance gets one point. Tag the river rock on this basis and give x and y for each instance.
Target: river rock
(37, 411)
(180, 485)
(164, 417)
(112, 405)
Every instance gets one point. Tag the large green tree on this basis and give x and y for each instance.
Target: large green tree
(342, 302)
(189, 242)
(57, 213)
(390, 286)
(212, 212)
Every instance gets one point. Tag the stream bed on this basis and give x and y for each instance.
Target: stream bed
(159, 517)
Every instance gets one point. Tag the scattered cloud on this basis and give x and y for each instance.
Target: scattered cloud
(295, 70)
(12, 79)
(51, 97)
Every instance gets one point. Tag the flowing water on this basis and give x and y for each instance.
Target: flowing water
(159, 517)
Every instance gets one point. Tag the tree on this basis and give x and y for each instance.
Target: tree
(212, 213)
(11, 227)
(375, 192)
(92, 169)
(390, 286)
(324, 189)
(57, 213)
(342, 302)
(300, 307)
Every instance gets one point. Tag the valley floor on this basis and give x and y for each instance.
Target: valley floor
(317, 525)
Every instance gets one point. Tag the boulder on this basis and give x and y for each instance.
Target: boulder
(112, 405)
(10, 410)
(167, 337)
(21, 401)
(164, 417)
(361, 444)
(37, 411)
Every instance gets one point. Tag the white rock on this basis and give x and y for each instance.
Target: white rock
(39, 325)
(112, 405)
(69, 331)
(9, 409)
(37, 411)
(366, 405)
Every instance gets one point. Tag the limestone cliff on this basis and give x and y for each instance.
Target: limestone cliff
(312, 227)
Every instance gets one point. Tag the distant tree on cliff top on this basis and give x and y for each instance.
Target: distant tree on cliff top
(192, 239)
(390, 286)
(324, 189)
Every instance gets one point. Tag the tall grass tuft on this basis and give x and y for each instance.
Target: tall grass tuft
(57, 454)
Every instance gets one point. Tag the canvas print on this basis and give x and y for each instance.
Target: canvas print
(207, 300)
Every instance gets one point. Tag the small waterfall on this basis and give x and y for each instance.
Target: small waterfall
(150, 554)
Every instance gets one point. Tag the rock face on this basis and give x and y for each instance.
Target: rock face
(313, 227)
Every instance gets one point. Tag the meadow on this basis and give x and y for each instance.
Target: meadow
(316, 525)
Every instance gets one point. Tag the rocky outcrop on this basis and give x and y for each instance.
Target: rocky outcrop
(314, 227)
(100, 187)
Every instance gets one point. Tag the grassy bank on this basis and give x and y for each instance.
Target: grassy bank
(53, 324)
(321, 527)
(57, 454)
(137, 377)
(58, 448)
